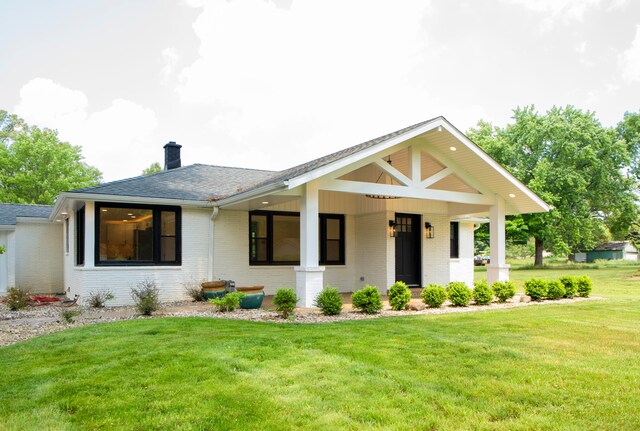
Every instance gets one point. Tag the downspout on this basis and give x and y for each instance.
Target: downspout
(214, 214)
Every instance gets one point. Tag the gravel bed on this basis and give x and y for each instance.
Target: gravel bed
(16, 326)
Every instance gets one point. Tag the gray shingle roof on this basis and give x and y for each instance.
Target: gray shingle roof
(9, 212)
(611, 246)
(204, 182)
(194, 182)
(325, 160)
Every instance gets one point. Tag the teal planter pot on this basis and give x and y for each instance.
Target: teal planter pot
(215, 294)
(252, 300)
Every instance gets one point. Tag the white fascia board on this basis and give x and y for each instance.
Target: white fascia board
(268, 189)
(327, 169)
(34, 220)
(7, 227)
(495, 165)
(91, 197)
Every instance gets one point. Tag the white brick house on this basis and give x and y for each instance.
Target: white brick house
(399, 207)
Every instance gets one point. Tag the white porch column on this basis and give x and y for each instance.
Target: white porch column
(309, 274)
(497, 270)
(89, 234)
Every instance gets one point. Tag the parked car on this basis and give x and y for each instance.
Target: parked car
(481, 260)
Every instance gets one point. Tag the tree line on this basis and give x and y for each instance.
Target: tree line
(588, 173)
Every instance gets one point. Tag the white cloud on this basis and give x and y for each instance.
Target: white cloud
(48, 104)
(565, 11)
(115, 139)
(318, 68)
(629, 60)
(170, 59)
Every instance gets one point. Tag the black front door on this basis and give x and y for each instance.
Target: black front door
(408, 249)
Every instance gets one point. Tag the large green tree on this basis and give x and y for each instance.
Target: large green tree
(35, 166)
(576, 165)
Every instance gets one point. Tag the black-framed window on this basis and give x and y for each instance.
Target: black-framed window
(80, 236)
(331, 239)
(274, 238)
(129, 234)
(454, 248)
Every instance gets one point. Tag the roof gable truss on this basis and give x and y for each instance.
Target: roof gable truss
(376, 176)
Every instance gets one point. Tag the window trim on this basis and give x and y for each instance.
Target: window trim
(157, 235)
(80, 235)
(454, 240)
(321, 232)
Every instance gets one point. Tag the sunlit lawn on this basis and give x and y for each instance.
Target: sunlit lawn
(550, 367)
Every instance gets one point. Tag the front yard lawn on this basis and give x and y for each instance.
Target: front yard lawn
(573, 366)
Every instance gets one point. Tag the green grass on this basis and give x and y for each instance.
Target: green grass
(551, 367)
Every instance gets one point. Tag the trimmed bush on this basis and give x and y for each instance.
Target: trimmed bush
(555, 289)
(285, 301)
(584, 286)
(482, 293)
(368, 300)
(535, 288)
(434, 295)
(504, 290)
(98, 298)
(229, 302)
(17, 299)
(570, 286)
(329, 301)
(146, 297)
(459, 294)
(399, 296)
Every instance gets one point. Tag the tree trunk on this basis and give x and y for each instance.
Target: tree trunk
(538, 261)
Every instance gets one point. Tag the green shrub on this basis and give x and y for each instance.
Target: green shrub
(68, 315)
(229, 302)
(368, 300)
(555, 289)
(584, 286)
(146, 297)
(570, 286)
(285, 301)
(329, 301)
(434, 295)
(504, 290)
(459, 294)
(97, 298)
(399, 296)
(535, 288)
(17, 299)
(482, 293)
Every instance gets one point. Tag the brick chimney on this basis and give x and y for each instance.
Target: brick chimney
(172, 156)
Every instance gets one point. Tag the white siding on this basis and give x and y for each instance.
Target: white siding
(38, 260)
(435, 251)
(462, 267)
(372, 246)
(7, 271)
(170, 280)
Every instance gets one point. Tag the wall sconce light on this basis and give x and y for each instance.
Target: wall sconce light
(429, 230)
(393, 232)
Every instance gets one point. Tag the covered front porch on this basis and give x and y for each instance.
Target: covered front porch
(409, 205)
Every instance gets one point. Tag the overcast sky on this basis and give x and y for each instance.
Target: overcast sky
(272, 83)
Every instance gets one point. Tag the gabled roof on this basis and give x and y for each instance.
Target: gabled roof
(9, 212)
(207, 184)
(304, 168)
(194, 182)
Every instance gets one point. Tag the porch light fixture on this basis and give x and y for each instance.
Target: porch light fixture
(429, 230)
(387, 182)
(393, 231)
(511, 195)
